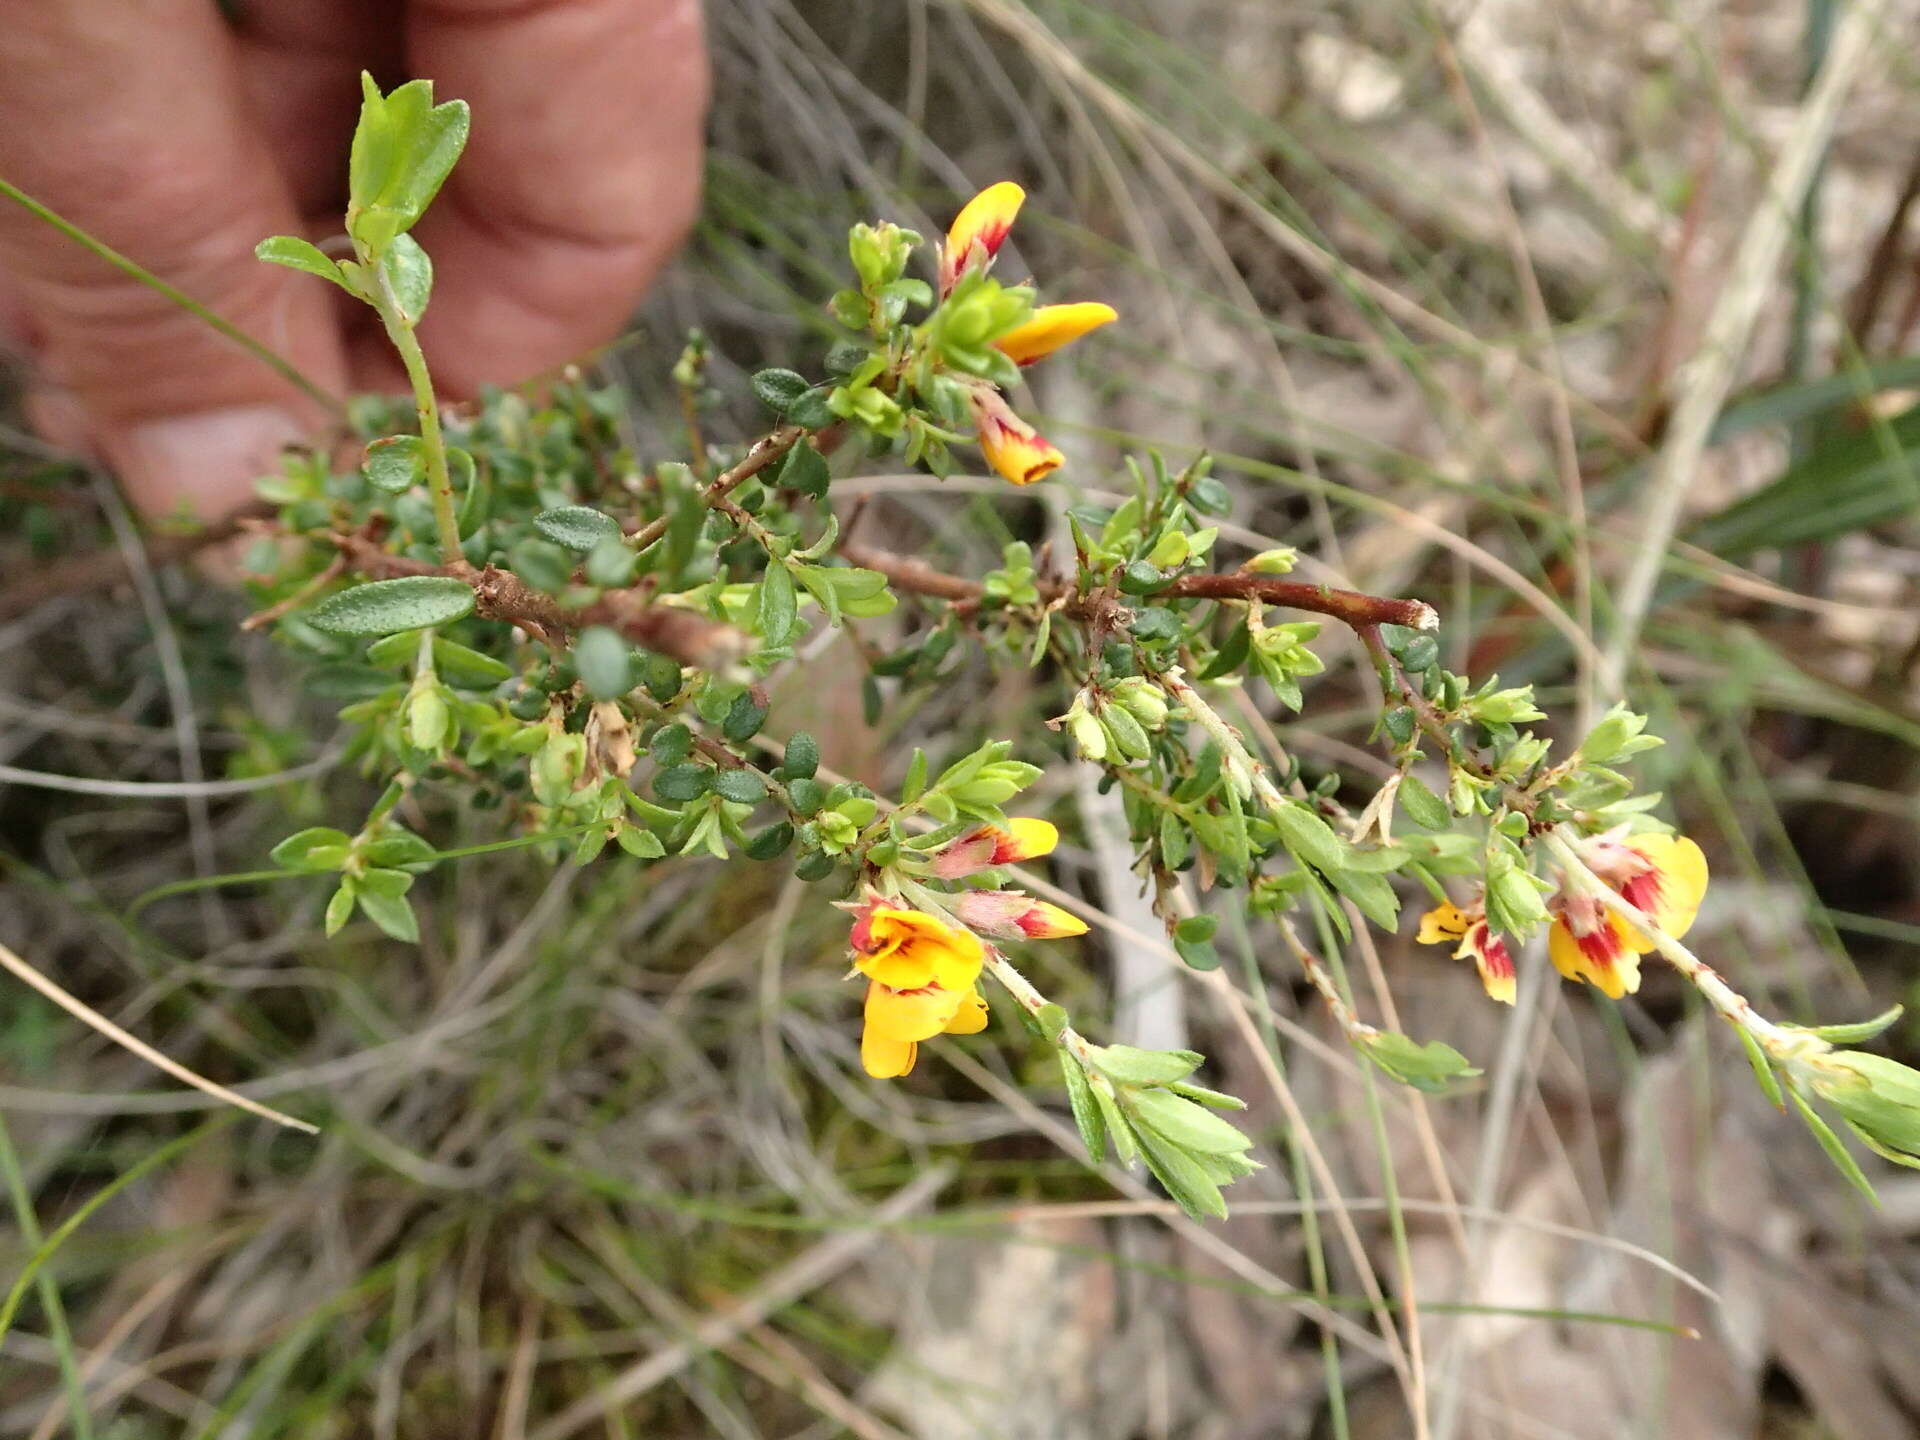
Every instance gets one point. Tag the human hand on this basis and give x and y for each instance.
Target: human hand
(182, 140)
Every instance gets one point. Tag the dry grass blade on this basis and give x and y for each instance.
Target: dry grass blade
(784, 1285)
(89, 1016)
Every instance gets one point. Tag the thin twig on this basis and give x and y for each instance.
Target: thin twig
(80, 1010)
(1350, 607)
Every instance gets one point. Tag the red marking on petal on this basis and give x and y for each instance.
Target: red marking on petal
(1492, 949)
(1603, 946)
(1643, 892)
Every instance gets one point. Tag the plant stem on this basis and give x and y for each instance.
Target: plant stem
(399, 328)
(272, 359)
(1033, 1002)
(62, 1338)
(1350, 607)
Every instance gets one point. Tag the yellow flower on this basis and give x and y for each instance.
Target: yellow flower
(1664, 876)
(1473, 939)
(910, 950)
(979, 230)
(1052, 327)
(1012, 447)
(898, 1020)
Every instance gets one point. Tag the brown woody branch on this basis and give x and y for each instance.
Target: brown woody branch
(1350, 607)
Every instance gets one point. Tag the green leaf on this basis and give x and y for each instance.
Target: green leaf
(316, 849)
(1119, 1128)
(770, 842)
(743, 787)
(409, 274)
(1431, 1067)
(1218, 1099)
(432, 145)
(542, 564)
(671, 744)
(1853, 1034)
(578, 527)
(778, 605)
(1371, 893)
(641, 844)
(745, 716)
(805, 470)
(396, 464)
(297, 254)
(1129, 1065)
(1190, 1126)
(370, 160)
(1184, 1178)
(468, 669)
(1421, 805)
(401, 848)
(1762, 1068)
(915, 784)
(1193, 941)
(392, 913)
(1309, 837)
(604, 661)
(386, 606)
(790, 396)
(778, 389)
(802, 756)
(1086, 1110)
(1835, 1147)
(611, 565)
(681, 783)
(340, 906)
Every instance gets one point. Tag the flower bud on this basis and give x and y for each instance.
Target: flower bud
(1010, 915)
(427, 718)
(1124, 733)
(1278, 561)
(1142, 699)
(1088, 738)
(1878, 1096)
(837, 831)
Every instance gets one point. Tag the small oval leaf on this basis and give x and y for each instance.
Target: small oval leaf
(387, 606)
(578, 527)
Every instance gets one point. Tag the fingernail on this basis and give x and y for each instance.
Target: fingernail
(203, 462)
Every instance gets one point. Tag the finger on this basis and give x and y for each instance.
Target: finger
(581, 176)
(159, 160)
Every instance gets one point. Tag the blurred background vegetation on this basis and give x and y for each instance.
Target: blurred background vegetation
(1439, 288)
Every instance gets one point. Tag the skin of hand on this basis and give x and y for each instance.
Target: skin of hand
(181, 133)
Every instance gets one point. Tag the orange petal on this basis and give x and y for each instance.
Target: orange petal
(1444, 923)
(1602, 958)
(899, 967)
(1025, 838)
(983, 222)
(1012, 447)
(971, 1017)
(1051, 328)
(1492, 959)
(1049, 922)
(910, 1014)
(886, 1059)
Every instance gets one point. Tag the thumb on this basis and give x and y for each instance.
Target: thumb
(163, 163)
